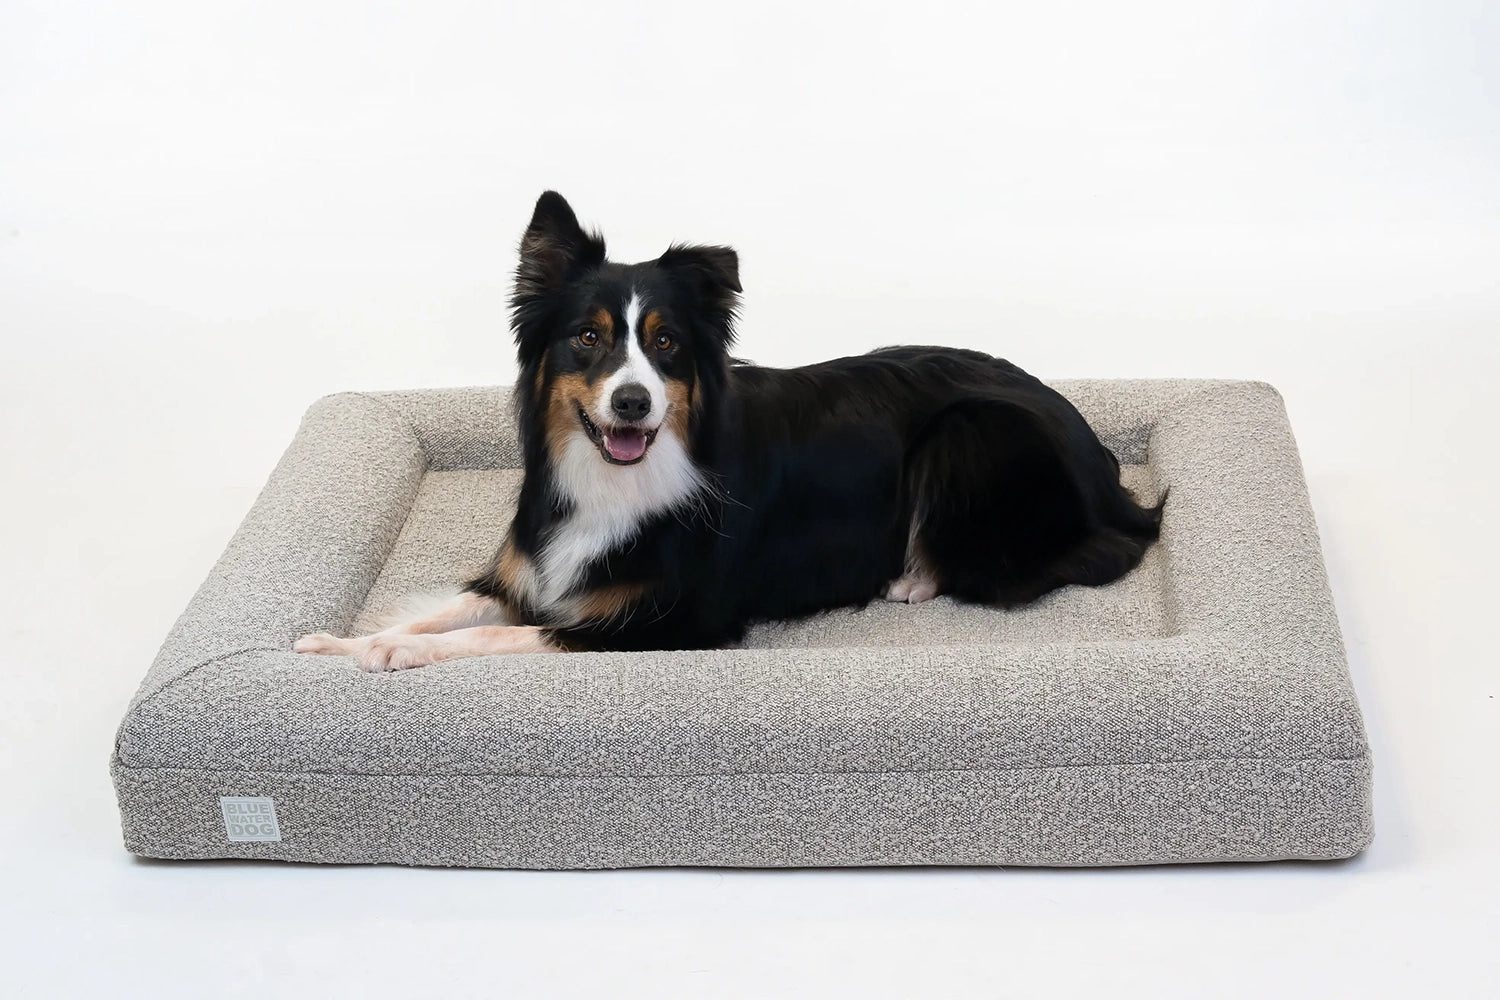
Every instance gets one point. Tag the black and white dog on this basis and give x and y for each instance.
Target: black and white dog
(673, 495)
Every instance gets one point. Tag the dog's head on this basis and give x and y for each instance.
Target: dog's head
(617, 354)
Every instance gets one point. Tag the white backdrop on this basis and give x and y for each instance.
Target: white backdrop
(210, 214)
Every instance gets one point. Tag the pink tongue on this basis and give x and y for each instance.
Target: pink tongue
(625, 446)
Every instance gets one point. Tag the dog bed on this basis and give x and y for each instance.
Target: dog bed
(1200, 709)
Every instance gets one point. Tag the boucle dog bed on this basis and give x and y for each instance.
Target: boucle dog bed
(1199, 709)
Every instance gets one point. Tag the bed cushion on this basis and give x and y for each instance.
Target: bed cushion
(1200, 709)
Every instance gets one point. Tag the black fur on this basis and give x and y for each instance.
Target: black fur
(819, 471)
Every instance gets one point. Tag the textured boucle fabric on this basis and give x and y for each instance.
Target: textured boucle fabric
(1200, 709)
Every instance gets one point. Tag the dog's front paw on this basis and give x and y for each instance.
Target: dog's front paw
(399, 652)
(913, 588)
(323, 644)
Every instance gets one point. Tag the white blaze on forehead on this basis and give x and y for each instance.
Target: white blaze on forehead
(637, 368)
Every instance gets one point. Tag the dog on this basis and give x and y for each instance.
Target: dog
(674, 495)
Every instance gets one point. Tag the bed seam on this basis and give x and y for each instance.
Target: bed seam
(136, 706)
(401, 418)
(194, 669)
(1365, 758)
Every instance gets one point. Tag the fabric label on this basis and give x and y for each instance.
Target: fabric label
(249, 818)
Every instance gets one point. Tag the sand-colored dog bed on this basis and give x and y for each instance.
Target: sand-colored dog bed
(1198, 710)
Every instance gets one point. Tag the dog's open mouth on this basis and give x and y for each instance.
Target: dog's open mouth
(619, 445)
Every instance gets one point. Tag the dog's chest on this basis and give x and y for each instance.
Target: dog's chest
(569, 550)
(607, 507)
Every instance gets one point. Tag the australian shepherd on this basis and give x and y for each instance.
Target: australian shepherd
(674, 495)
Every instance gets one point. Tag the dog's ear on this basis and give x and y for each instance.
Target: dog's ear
(554, 248)
(712, 276)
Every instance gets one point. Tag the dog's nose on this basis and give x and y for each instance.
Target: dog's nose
(631, 402)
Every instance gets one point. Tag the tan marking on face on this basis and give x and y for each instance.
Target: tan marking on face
(652, 323)
(569, 394)
(679, 407)
(607, 603)
(604, 323)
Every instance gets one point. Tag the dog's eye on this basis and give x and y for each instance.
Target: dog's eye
(663, 341)
(588, 336)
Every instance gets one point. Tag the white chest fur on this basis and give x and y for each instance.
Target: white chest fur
(609, 503)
